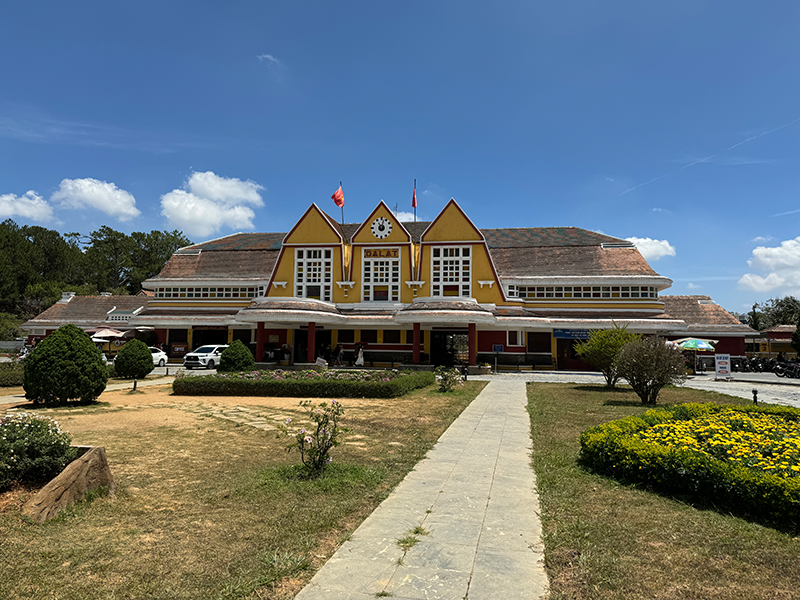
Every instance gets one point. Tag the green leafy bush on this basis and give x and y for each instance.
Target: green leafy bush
(305, 384)
(315, 445)
(134, 360)
(32, 449)
(703, 466)
(65, 365)
(11, 373)
(448, 378)
(236, 357)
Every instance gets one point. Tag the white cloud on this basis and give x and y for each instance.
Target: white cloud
(653, 249)
(404, 217)
(29, 206)
(209, 203)
(271, 60)
(762, 239)
(661, 210)
(693, 286)
(104, 196)
(780, 266)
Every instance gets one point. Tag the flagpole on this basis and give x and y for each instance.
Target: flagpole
(340, 185)
(415, 200)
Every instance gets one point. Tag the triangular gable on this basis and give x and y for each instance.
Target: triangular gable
(452, 225)
(398, 234)
(314, 227)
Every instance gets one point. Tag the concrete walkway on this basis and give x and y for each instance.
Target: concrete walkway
(475, 510)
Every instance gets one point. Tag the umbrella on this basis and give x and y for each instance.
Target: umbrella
(103, 335)
(695, 344)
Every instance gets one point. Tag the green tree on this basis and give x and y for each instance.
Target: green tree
(796, 338)
(108, 259)
(755, 318)
(236, 357)
(65, 365)
(150, 252)
(649, 364)
(602, 348)
(134, 360)
(9, 327)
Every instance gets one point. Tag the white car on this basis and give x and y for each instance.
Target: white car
(160, 357)
(206, 357)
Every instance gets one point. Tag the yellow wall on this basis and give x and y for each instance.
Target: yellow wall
(452, 225)
(312, 228)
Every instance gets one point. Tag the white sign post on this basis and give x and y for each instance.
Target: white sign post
(722, 363)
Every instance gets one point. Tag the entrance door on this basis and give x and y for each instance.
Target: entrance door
(322, 344)
(203, 337)
(449, 348)
(568, 359)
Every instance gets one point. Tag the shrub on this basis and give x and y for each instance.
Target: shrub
(11, 373)
(65, 365)
(739, 459)
(315, 445)
(134, 360)
(32, 449)
(648, 364)
(602, 349)
(236, 357)
(448, 378)
(305, 384)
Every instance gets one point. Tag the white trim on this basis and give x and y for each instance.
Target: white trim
(486, 282)
(658, 281)
(280, 284)
(342, 284)
(413, 283)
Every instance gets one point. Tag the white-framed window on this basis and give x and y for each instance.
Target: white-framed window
(208, 292)
(313, 273)
(593, 291)
(380, 275)
(515, 338)
(451, 272)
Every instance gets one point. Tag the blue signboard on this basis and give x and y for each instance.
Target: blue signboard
(497, 347)
(571, 334)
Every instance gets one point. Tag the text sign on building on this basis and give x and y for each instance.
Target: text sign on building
(722, 362)
(497, 347)
(571, 334)
(381, 253)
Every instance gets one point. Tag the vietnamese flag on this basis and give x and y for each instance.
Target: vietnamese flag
(338, 197)
(414, 197)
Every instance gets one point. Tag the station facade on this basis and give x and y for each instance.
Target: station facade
(435, 292)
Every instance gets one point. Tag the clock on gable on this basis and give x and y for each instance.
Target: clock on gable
(381, 227)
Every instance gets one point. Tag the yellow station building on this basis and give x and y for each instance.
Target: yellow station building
(420, 292)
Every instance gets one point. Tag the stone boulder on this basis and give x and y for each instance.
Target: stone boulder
(84, 474)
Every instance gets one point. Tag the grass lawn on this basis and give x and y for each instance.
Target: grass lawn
(604, 540)
(206, 505)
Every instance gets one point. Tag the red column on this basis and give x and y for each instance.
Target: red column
(415, 354)
(260, 342)
(312, 342)
(473, 344)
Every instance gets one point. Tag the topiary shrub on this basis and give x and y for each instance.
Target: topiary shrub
(236, 357)
(32, 449)
(134, 360)
(63, 366)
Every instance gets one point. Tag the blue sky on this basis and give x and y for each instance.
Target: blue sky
(676, 123)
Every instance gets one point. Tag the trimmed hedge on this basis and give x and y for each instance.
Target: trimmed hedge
(11, 374)
(609, 449)
(303, 386)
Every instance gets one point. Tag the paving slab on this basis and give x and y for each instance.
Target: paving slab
(473, 500)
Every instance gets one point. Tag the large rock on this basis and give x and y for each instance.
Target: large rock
(82, 475)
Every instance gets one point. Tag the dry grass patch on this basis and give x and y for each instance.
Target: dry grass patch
(604, 540)
(206, 505)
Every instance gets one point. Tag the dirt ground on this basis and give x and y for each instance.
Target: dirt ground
(156, 406)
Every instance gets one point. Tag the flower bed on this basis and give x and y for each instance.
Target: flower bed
(745, 460)
(305, 384)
